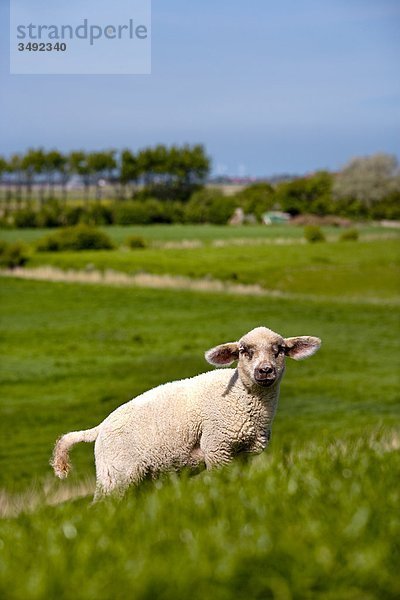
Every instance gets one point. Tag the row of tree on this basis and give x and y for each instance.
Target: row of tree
(365, 187)
(162, 171)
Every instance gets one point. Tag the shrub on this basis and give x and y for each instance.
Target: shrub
(313, 234)
(136, 241)
(387, 208)
(349, 235)
(13, 255)
(80, 237)
(25, 218)
(97, 214)
(73, 215)
(174, 211)
(51, 215)
(350, 207)
(137, 212)
(210, 206)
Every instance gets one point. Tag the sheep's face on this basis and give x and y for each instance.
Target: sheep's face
(261, 355)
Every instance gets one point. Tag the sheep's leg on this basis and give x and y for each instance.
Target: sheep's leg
(98, 494)
(112, 480)
(217, 452)
(105, 486)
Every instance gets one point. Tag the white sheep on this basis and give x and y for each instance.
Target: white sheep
(204, 420)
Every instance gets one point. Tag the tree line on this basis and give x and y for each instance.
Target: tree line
(167, 185)
(162, 171)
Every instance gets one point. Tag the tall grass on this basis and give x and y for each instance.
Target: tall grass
(312, 520)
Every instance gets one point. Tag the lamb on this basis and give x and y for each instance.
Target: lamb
(205, 420)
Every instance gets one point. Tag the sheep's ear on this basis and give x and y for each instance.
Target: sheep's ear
(224, 354)
(302, 346)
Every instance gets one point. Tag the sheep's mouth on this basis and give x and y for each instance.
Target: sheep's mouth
(265, 381)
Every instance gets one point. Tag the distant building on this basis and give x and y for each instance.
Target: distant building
(275, 217)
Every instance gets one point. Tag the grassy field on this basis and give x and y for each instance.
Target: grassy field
(316, 516)
(354, 271)
(363, 271)
(206, 234)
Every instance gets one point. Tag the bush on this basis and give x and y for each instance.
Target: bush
(80, 237)
(313, 234)
(51, 215)
(13, 255)
(350, 207)
(25, 218)
(136, 241)
(349, 235)
(174, 211)
(210, 206)
(73, 215)
(142, 212)
(97, 214)
(387, 208)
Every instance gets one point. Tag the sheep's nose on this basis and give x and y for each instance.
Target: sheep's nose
(264, 371)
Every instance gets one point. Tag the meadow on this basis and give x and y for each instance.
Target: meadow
(315, 516)
(206, 233)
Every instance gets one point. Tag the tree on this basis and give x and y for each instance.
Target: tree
(3, 169)
(54, 163)
(15, 168)
(8, 169)
(209, 206)
(192, 170)
(368, 179)
(174, 172)
(28, 166)
(100, 165)
(256, 198)
(129, 170)
(65, 171)
(306, 194)
(166, 172)
(79, 165)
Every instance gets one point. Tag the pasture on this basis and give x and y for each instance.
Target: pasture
(315, 516)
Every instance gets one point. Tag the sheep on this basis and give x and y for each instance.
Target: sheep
(203, 421)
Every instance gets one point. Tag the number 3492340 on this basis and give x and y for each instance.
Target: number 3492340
(42, 47)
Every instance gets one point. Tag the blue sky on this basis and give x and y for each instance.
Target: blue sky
(267, 86)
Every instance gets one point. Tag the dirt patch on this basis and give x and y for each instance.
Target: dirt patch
(148, 280)
(51, 494)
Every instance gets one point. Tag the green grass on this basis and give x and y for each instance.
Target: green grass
(306, 523)
(72, 353)
(315, 516)
(203, 233)
(352, 270)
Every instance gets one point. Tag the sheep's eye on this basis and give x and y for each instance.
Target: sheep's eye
(278, 350)
(246, 352)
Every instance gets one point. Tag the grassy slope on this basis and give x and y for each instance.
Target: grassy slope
(315, 516)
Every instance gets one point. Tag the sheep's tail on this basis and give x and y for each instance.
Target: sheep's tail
(60, 459)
